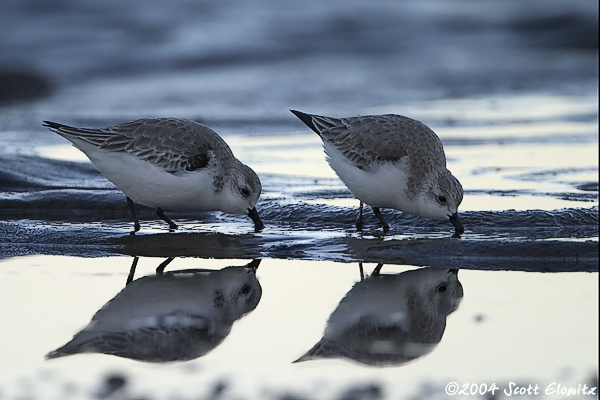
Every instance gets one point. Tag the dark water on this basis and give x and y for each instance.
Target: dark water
(510, 87)
(240, 61)
(58, 207)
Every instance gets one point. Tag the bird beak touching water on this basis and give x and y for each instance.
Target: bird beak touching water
(458, 226)
(258, 224)
(253, 265)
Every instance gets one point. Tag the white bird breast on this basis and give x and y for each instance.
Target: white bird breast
(380, 185)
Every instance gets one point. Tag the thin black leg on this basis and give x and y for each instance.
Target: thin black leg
(136, 222)
(359, 223)
(161, 214)
(161, 268)
(384, 224)
(132, 270)
(377, 270)
(362, 272)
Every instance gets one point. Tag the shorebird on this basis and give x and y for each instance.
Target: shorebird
(390, 161)
(169, 163)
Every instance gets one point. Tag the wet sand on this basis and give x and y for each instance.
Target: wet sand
(55, 202)
(546, 247)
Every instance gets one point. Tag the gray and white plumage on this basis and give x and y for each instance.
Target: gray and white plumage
(175, 316)
(388, 320)
(390, 161)
(169, 163)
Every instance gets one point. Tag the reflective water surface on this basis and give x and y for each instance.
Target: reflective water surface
(390, 319)
(173, 316)
(398, 330)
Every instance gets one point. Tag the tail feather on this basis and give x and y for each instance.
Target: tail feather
(65, 350)
(62, 129)
(92, 136)
(327, 126)
(307, 119)
(314, 353)
(54, 125)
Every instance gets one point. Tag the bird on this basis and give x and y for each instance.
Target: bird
(387, 320)
(390, 161)
(169, 316)
(169, 163)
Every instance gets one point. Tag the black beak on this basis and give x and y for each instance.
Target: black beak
(254, 264)
(458, 226)
(258, 224)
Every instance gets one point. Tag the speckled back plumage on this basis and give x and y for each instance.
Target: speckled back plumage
(164, 142)
(376, 138)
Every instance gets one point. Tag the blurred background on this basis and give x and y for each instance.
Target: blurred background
(255, 60)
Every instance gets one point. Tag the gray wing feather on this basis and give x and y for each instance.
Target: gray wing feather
(381, 138)
(171, 143)
(149, 344)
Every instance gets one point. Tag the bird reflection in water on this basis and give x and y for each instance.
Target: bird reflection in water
(387, 320)
(170, 316)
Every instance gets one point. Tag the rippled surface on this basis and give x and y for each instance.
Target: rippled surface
(511, 89)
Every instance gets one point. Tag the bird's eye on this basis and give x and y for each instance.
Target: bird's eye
(245, 191)
(441, 289)
(442, 199)
(245, 290)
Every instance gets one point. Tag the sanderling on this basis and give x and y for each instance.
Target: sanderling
(390, 319)
(172, 316)
(390, 161)
(169, 163)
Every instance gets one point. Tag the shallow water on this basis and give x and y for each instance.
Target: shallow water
(510, 88)
(500, 333)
